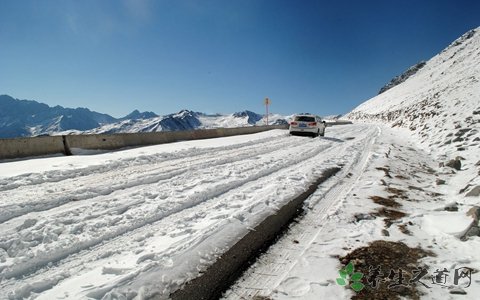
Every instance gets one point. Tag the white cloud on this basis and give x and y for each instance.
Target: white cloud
(72, 22)
(138, 9)
(97, 19)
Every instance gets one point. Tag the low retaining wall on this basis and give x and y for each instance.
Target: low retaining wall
(338, 122)
(35, 146)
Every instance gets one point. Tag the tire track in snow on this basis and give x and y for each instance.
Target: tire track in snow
(212, 205)
(282, 260)
(56, 176)
(30, 264)
(201, 236)
(44, 197)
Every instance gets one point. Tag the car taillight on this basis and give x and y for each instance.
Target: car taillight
(312, 124)
(293, 123)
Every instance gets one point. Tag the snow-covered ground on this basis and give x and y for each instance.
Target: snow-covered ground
(146, 220)
(347, 213)
(141, 221)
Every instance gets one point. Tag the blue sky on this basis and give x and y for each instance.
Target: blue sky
(324, 57)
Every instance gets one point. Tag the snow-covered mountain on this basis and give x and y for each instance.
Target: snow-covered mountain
(184, 120)
(20, 118)
(136, 115)
(439, 103)
(26, 118)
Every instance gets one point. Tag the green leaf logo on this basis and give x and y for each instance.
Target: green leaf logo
(349, 268)
(356, 276)
(357, 286)
(348, 274)
(341, 281)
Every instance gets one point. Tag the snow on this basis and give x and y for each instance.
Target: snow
(304, 263)
(455, 224)
(18, 167)
(98, 225)
(144, 221)
(437, 103)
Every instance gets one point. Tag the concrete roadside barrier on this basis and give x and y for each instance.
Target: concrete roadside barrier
(338, 122)
(32, 146)
(48, 145)
(122, 140)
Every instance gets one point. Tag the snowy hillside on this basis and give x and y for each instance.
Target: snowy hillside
(404, 76)
(440, 103)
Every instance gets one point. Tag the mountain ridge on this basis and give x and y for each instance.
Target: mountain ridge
(24, 118)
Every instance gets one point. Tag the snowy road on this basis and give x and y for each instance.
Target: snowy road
(144, 221)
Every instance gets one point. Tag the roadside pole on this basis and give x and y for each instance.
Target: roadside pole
(267, 102)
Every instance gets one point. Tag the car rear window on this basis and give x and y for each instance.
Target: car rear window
(304, 119)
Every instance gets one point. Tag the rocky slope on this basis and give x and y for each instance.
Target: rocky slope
(440, 106)
(440, 103)
(429, 194)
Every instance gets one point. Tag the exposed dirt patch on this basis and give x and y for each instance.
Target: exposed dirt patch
(397, 192)
(386, 170)
(388, 256)
(428, 169)
(434, 194)
(360, 217)
(416, 188)
(390, 215)
(389, 202)
(261, 298)
(403, 228)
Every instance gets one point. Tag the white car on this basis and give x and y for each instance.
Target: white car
(307, 124)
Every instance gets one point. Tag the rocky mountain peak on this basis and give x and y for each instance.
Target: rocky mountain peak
(404, 76)
(468, 35)
(252, 118)
(137, 115)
